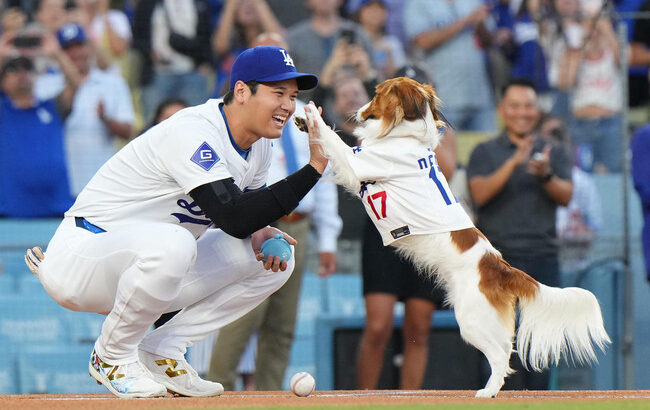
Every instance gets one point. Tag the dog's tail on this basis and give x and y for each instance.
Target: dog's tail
(558, 323)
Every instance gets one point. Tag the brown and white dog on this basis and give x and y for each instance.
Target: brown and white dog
(482, 288)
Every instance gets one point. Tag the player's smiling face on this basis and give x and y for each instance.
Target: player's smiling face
(271, 107)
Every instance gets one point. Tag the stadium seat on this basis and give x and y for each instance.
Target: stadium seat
(84, 327)
(29, 285)
(301, 359)
(13, 262)
(466, 141)
(7, 284)
(31, 319)
(8, 376)
(17, 235)
(343, 295)
(309, 304)
(59, 369)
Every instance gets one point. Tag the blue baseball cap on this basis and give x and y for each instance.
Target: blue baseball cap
(266, 64)
(71, 34)
(364, 3)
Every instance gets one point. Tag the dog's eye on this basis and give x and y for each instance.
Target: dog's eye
(371, 117)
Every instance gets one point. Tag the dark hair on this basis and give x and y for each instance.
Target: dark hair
(559, 133)
(518, 82)
(12, 63)
(230, 95)
(415, 72)
(164, 104)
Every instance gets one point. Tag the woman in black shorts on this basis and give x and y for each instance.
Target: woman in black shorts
(387, 279)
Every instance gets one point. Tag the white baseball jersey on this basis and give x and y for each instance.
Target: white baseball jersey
(404, 190)
(150, 178)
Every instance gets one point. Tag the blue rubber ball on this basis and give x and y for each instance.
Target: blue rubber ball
(277, 246)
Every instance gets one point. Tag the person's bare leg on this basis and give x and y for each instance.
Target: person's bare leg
(379, 325)
(417, 324)
(248, 380)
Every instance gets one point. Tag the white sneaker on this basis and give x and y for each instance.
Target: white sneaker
(125, 381)
(178, 376)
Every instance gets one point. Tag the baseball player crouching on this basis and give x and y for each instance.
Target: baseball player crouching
(140, 239)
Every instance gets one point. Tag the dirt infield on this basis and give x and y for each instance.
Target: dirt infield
(287, 399)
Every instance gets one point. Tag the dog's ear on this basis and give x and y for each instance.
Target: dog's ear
(412, 99)
(386, 106)
(434, 105)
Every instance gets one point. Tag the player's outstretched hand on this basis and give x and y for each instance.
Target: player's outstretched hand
(258, 238)
(316, 159)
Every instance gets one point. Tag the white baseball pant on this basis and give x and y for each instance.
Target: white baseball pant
(133, 274)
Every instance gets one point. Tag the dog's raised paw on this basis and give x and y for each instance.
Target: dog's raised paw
(301, 123)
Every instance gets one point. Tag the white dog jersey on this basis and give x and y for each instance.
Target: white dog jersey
(404, 190)
(150, 178)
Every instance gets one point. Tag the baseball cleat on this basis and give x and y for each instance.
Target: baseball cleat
(178, 376)
(33, 259)
(126, 381)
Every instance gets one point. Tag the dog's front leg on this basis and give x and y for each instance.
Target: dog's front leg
(335, 150)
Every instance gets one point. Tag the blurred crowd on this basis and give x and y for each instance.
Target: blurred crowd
(80, 78)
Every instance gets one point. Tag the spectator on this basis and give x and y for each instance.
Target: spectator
(517, 195)
(387, 51)
(519, 38)
(110, 29)
(638, 33)
(12, 20)
(579, 222)
(33, 175)
(166, 109)
(589, 69)
(560, 29)
(387, 278)
(313, 41)
(101, 111)
(299, 11)
(395, 20)
(240, 23)
(50, 14)
(48, 17)
(349, 94)
(179, 50)
(446, 32)
(274, 319)
(641, 177)
(347, 59)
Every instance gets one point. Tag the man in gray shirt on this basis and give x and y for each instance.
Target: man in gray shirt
(446, 32)
(517, 181)
(313, 41)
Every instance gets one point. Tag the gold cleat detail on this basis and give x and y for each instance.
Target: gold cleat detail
(171, 372)
(111, 375)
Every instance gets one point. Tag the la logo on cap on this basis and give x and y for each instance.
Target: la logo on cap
(70, 31)
(287, 58)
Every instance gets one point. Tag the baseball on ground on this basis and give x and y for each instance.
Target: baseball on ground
(302, 384)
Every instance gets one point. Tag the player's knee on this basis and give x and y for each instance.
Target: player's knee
(176, 255)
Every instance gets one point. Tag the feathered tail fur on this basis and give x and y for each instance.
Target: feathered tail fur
(560, 323)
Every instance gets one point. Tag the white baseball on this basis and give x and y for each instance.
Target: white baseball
(302, 384)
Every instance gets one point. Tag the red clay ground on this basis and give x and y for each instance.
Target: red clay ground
(287, 399)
